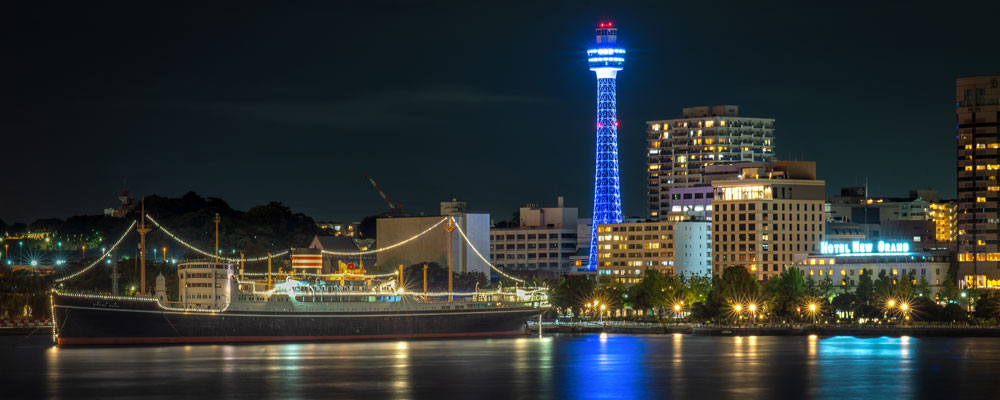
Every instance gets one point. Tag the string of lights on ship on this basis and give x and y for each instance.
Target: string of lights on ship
(287, 251)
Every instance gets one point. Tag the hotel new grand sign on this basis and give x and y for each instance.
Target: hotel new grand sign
(864, 248)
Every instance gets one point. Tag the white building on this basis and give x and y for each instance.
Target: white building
(693, 248)
(433, 246)
(544, 241)
(843, 263)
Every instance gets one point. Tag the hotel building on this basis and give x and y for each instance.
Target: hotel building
(764, 219)
(844, 268)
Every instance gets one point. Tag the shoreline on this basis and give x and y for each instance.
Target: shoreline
(771, 330)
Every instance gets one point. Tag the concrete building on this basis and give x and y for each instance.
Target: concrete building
(923, 218)
(626, 250)
(204, 284)
(543, 243)
(693, 248)
(977, 110)
(433, 247)
(839, 262)
(764, 219)
(680, 149)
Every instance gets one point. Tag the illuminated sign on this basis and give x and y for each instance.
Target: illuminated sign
(865, 248)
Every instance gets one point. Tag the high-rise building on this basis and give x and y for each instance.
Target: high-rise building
(606, 58)
(680, 149)
(977, 111)
(765, 218)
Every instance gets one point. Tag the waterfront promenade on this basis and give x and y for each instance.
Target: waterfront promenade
(860, 330)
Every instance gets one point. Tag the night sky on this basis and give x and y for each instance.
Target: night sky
(490, 104)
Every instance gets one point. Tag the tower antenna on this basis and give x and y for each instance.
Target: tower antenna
(606, 58)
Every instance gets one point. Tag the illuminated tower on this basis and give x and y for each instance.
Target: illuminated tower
(606, 59)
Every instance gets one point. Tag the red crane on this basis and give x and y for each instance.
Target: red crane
(396, 208)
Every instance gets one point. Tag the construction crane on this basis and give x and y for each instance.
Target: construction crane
(394, 209)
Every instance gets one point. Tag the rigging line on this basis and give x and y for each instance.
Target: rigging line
(474, 250)
(394, 245)
(110, 250)
(207, 254)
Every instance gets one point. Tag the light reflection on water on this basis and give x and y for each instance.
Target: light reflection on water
(587, 366)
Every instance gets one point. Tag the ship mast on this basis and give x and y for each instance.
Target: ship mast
(216, 219)
(450, 228)
(143, 230)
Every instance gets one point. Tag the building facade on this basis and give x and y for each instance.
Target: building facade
(693, 248)
(543, 242)
(832, 265)
(433, 246)
(763, 220)
(977, 110)
(625, 251)
(680, 149)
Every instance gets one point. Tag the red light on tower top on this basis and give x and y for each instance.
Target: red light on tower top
(601, 25)
(609, 24)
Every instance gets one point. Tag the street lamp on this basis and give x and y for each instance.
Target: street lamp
(812, 311)
(753, 312)
(603, 306)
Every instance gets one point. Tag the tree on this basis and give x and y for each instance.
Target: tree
(572, 292)
(784, 292)
(650, 292)
(954, 313)
(923, 288)
(469, 281)
(925, 309)
(737, 285)
(612, 293)
(988, 305)
(845, 303)
(949, 291)
(696, 289)
(883, 287)
(904, 287)
(866, 288)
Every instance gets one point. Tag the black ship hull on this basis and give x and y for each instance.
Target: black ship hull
(96, 320)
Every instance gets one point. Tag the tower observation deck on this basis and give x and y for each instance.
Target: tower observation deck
(606, 58)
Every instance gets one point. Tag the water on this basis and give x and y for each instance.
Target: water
(588, 366)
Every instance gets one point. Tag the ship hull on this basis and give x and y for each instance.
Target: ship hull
(112, 321)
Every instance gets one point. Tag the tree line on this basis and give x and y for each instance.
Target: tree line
(791, 297)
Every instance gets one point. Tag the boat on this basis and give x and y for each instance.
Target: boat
(217, 304)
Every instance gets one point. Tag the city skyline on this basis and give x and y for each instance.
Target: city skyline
(261, 89)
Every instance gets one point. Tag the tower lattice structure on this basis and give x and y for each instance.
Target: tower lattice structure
(606, 59)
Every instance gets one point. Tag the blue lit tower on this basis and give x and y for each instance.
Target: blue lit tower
(606, 59)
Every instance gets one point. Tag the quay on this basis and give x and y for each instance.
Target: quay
(859, 330)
